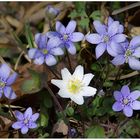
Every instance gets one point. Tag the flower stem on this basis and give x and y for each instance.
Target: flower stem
(69, 60)
(10, 109)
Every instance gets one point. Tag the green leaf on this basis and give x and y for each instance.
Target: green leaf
(95, 67)
(108, 83)
(5, 52)
(47, 100)
(33, 85)
(96, 15)
(70, 111)
(29, 36)
(95, 132)
(43, 120)
(84, 23)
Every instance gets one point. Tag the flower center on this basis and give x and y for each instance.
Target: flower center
(65, 36)
(2, 83)
(26, 121)
(106, 38)
(74, 86)
(127, 54)
(125, 101)
(44, 51)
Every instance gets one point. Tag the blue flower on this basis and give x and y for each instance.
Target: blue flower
(128, 53)
(46, 50)
(67, 35)
(6, 80)
(25, 121)
(126, 101)
(52, 11)
(106, 34)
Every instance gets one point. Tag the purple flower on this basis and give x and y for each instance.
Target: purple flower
(106, 34)
(25, 121)
(127, 53)
(126, 101)
(67, 35)
(6, 80)
(46, 50)
(52, 11)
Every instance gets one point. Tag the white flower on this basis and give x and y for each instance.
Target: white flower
(75, 86)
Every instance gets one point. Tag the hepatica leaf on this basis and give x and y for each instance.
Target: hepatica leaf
(32, 85)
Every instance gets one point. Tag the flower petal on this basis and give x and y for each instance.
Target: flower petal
(39, 60)
(71, 48)
(52, 34)
(99, 27)
(32, 125)
(100, 49)
(79, 72)
(87, 78)
(60, 28)
(110, 21)
(117, 95)
(117, 106)
(134, 63)
(121, 29)
(57, 51)
(113, 28)
(77, 99)
(135, 105)
(65, 74)
(71, 26)
(94, 38)
(135, 95)
(119, 38)
(63, 93)
(32, 53)
(19, 115)
(117, 48)
(59, 83)
(118, 60)
(24, 129)
(54, 42)
(125, 91)
(136, 52)
(34, 117)
(135, 42)
(50, 60)
(4, 71)
(12, 79)
(28, 113)
(89, 91)
(17, 125)
(9, 93)
(128, 111)
(76, 37)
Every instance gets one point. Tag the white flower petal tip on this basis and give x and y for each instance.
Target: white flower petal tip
(75, 86)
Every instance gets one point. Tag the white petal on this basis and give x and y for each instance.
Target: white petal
(65, 74)
(77, 99)
(89, 91)
(63, 93)
(87, 78)
(58, 83)
(79, 72)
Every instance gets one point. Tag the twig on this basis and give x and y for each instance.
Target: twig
(11, 111)
(69, 60)
(125, 76)
(115, 12)
(17, 62)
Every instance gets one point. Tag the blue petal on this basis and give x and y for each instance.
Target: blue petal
(134, 63)
(50, 60)
(113, 28)
(135, 95)
(117, 95)
(71, 27)
(94, 38)
(71, 48)
(52, 34)
(32, 125)
(119, 38)
(60, 28)
(24, 129)
(135, 42)
(34, 117)
(125, 91)
(9, 93)
(76, 37)
(117, 106)
(39, 60)
(128, 111)
(19, 115)
(135, 105)
(12, 79)
(17, 125)
(4, 71)
(100, 49)
(28, 113)
(118, 60)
